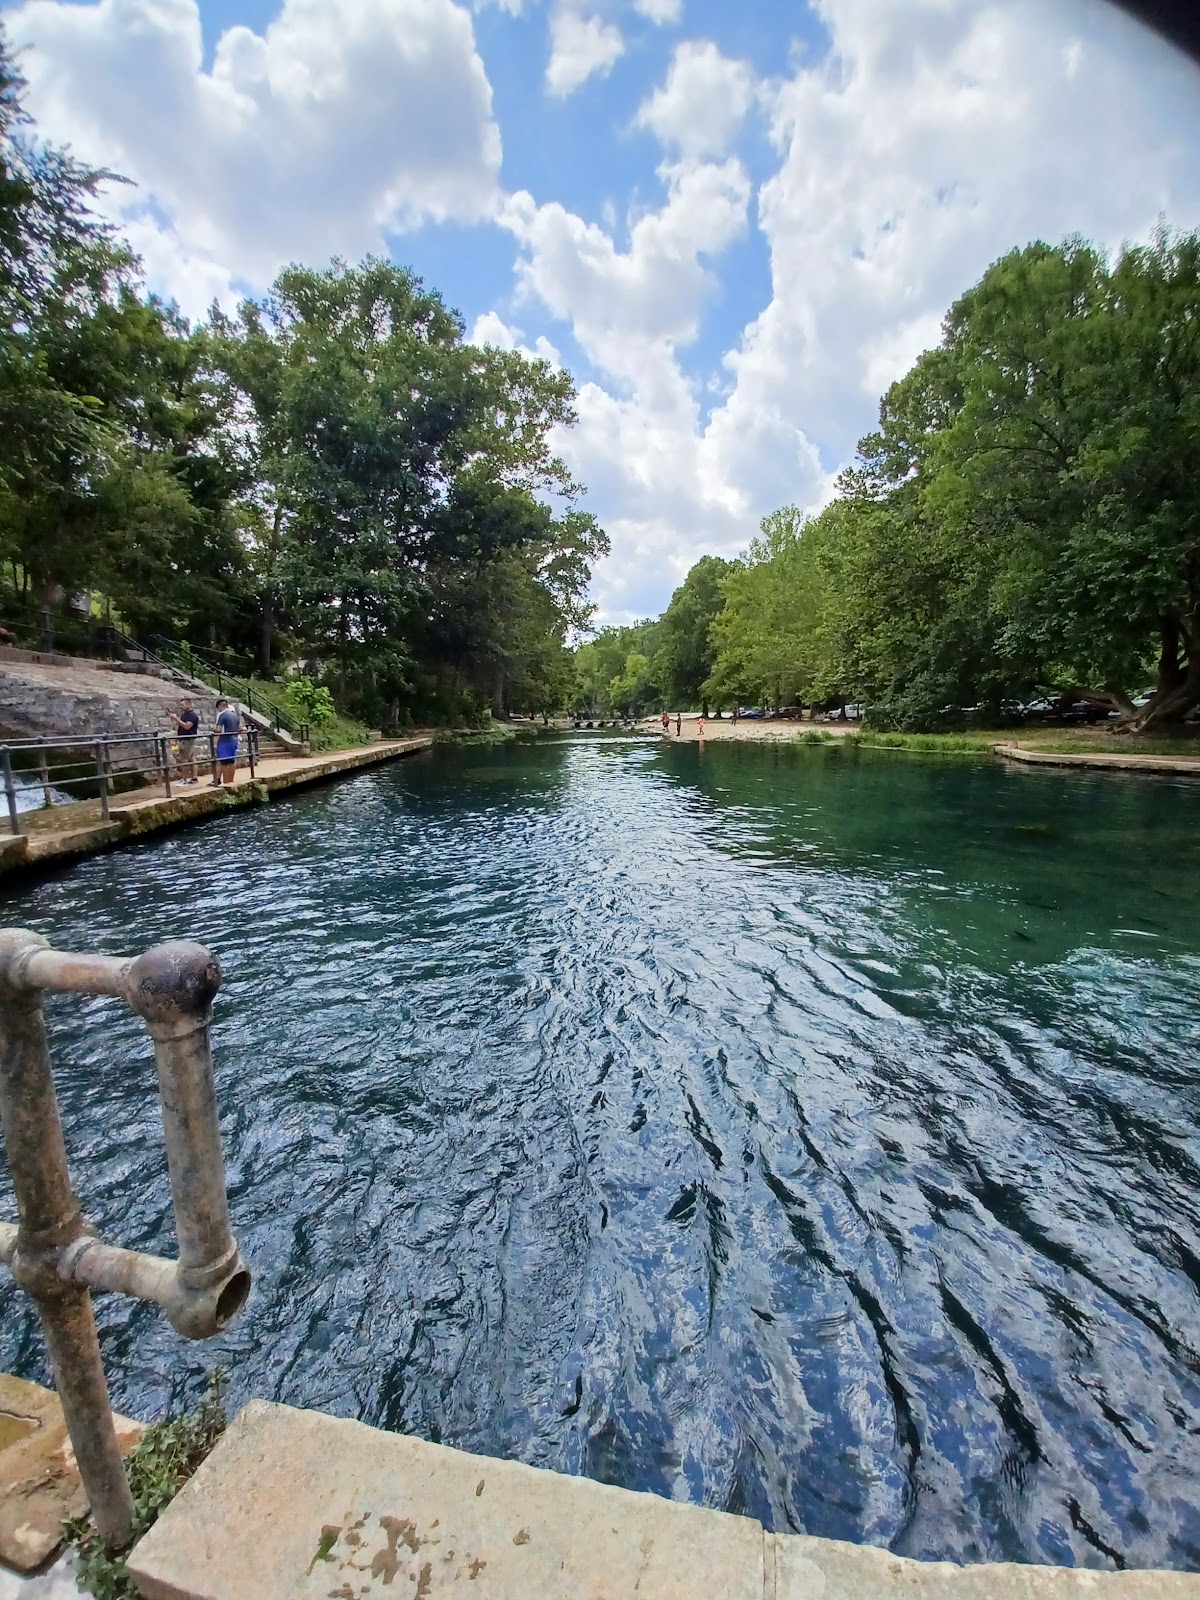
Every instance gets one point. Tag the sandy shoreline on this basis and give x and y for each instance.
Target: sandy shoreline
(746, 728)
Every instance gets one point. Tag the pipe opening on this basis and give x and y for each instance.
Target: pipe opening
(232, 1297)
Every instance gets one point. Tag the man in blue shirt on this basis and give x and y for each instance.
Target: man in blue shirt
(187, 726)
(229, 725)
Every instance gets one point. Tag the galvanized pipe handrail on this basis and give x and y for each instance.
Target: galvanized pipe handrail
(54, 1253)
(98, 766)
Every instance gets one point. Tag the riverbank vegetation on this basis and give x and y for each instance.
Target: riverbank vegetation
(1023, 526)
(331, 475)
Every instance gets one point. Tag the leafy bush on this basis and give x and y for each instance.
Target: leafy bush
(158, 1466)
(312, 702)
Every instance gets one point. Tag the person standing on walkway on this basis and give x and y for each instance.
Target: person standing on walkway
(678, 724)
(187, 726)
(700, 727)
(666, 724)
(229, 725)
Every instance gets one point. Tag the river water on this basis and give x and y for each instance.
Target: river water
(810, 1133)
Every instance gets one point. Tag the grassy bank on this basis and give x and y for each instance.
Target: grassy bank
(338, 733)
(1183, 745)
(941, 744)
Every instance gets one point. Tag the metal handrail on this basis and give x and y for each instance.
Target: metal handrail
(181, 657)
(99, 767)
(54, 1254)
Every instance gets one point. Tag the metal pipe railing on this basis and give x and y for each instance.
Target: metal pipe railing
(53, 1253)
(96, 762)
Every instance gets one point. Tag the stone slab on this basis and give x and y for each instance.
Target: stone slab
(1189, 766)
(827, 1569)
(39, 1481)
(298, 1504)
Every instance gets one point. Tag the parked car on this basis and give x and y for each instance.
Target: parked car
(752, 712)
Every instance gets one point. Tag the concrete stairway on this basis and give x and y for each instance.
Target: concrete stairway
(61, 696)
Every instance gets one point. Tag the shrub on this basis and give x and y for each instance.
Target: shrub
(158, 1466)
(312, 702)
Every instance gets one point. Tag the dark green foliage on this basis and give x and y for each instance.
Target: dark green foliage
(332, 476)
(1024, 522)
(158, 1466)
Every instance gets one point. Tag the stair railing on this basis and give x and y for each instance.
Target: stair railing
(53, 1252)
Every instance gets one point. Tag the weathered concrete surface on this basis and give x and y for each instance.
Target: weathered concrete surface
(39, 1481)
(60, 697)
(295, 1503)
(799, 1568)
(1190, 766)
(299, 1504)
(77, 830)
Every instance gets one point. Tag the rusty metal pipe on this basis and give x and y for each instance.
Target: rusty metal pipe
(196, 1313)
(53, 1253)
(172, 987)
(51, 1220)
(55, 969)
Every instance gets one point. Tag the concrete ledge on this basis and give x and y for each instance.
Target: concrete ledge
(1115, 763)
(39, 1481)
(299, 1504)
(13, 850)
(295, 1503)
(132, 818)
(807, 1568)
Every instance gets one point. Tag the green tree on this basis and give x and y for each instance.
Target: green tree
(396, 486)
(686, 653)
(766, 640)
(635, 687)
(1026, 518)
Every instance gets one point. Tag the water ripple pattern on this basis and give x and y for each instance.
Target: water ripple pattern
(812, 1134)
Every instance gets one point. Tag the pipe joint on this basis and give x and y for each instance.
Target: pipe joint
(172, 986)
(197, 1310)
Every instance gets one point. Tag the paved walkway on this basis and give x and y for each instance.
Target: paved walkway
(1115, 762)
(79, 829)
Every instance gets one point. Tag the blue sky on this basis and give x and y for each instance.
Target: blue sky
(734, 223)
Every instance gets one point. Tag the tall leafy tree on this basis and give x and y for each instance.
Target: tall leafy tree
(686, 653)
(765, 640)
(391, 476)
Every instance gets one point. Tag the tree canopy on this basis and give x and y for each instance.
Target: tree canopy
(1024, 521)
(332, 475)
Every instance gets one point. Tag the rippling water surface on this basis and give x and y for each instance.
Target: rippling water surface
(809, 1133)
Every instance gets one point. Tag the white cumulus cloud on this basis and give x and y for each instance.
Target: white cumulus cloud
(661, 12)
(703, 102)
(309, 139)
(579, 48)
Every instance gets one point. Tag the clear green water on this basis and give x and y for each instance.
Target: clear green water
(809, 1133)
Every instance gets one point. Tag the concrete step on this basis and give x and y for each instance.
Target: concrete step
(39, 1481)
(293, 1503)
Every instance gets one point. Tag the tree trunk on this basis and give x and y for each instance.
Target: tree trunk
(1174, 703)
(1178, 690)
(267, 638)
